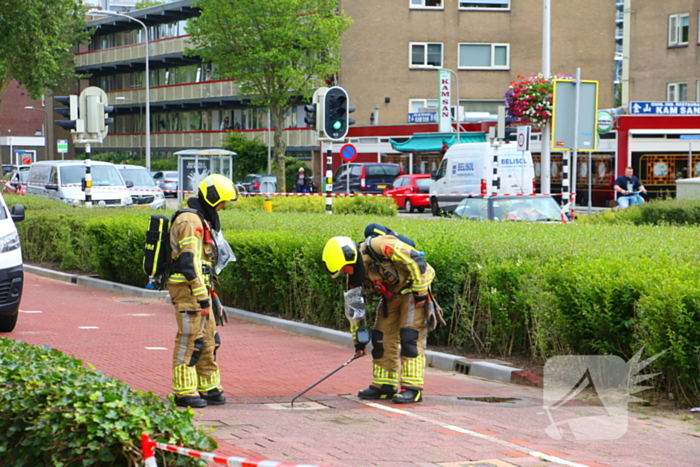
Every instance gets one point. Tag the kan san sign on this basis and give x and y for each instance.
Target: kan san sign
(664, 108)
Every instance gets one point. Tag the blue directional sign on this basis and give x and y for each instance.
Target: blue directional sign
(665, 108)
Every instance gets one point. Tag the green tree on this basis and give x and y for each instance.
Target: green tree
(37, 38)
(146, 4)
(250, 158)
(276, 50)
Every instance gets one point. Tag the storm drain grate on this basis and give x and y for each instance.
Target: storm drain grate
(462, 367)
(489, 399)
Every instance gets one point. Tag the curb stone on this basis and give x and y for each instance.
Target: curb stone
(439, 360)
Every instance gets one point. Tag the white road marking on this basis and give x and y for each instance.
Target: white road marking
(156, 348)
(88, 327)
(507, 444)
(28, 311)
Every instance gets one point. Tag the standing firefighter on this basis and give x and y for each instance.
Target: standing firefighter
(198, 252)
(387, 267)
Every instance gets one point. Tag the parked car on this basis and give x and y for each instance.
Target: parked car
(167, 181)
(9, 168)
(259, 183)
(410, 192)
(63, 181)
(11, 266)
(532, 208)
(145, 193)
(17, 183)
(371, 177)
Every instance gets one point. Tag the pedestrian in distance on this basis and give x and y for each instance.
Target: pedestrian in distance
(628, 187)
(395, 273)
(300, 181)
(224, 124)
(198, 252)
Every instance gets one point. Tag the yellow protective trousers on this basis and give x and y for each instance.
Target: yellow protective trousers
(398, 343)
(194, 355)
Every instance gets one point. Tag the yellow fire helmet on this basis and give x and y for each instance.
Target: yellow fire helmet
(217, 188)
(339, 252)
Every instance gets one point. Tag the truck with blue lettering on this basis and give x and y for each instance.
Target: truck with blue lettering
(467, 169)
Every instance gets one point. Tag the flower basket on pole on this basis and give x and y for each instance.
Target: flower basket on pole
(529, 100)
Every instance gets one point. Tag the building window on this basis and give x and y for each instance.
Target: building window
(424, 54)
(422, 105)
(677, 92)
(484, 56)
(678, 30)
(437, 4)
(503, 5)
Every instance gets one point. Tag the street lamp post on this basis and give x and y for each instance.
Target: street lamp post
(121, 98)
(148, 87)
(48, 143)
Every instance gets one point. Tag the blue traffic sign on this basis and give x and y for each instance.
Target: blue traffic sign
(348, 152)
(665, 108)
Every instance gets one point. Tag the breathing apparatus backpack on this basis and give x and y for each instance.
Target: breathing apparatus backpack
(156, 252)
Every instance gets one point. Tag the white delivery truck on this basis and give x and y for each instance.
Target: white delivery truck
(11, 270)
(467, 170)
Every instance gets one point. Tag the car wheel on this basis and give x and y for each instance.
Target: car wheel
(409, 206)
(434, 208)
(7, 323)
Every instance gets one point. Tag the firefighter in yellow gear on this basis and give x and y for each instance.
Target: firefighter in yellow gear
(387, 266)
(195, 240)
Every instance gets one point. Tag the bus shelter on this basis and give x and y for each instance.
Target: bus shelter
(194, 165)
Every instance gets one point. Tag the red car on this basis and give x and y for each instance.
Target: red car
(17, 183)
(411, 192)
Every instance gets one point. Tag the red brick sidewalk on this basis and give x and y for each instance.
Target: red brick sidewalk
(131, 339)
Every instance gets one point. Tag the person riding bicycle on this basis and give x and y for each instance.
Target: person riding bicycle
(628, 187)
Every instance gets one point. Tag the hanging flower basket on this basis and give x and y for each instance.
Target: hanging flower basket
(529, 100)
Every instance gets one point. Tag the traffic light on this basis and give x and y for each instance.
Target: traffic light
(311, 117)
(72, 113)
(336, 110)
(94, 109)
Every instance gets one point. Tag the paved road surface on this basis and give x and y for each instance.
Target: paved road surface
(263, 368)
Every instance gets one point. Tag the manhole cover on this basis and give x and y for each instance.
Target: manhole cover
(489, 399)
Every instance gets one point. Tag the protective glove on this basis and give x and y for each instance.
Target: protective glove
(220, 316)
(433, 315)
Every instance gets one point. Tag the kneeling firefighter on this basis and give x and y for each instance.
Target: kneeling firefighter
(198, 252)
(387, 268)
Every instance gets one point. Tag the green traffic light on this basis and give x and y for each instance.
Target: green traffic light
(337, 125)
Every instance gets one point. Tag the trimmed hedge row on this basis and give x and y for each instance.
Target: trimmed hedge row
(55, 412)
(540, 289)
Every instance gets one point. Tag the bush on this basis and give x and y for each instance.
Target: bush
(55, 412)
(655, 212)
(539, 289)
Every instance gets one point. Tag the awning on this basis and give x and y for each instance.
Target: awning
(205, 152)
(436, 142)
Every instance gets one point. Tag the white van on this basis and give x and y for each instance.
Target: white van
(11, 271)
(62, 181)
(467, 170)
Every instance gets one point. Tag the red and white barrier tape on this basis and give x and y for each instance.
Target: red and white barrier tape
(150, 461)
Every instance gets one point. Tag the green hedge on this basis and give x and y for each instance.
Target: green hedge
(539, 289)
(54, 412)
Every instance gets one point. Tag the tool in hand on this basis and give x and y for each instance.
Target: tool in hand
(354, 357)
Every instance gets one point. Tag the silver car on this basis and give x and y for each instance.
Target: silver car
(145, 194)
(167, 181)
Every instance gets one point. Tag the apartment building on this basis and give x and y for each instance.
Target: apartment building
(664, 50)
(392, 51)
(189, 105)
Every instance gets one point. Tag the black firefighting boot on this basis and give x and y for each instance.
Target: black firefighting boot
(214, 397)
(386, 391)
(408, 396)
(190, 401)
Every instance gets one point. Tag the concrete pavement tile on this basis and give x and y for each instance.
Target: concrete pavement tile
(515, 454)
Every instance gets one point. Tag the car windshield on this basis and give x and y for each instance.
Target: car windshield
(102, 175)
(382, 171)
(472, 208)
(526, 209)
(139, 177)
